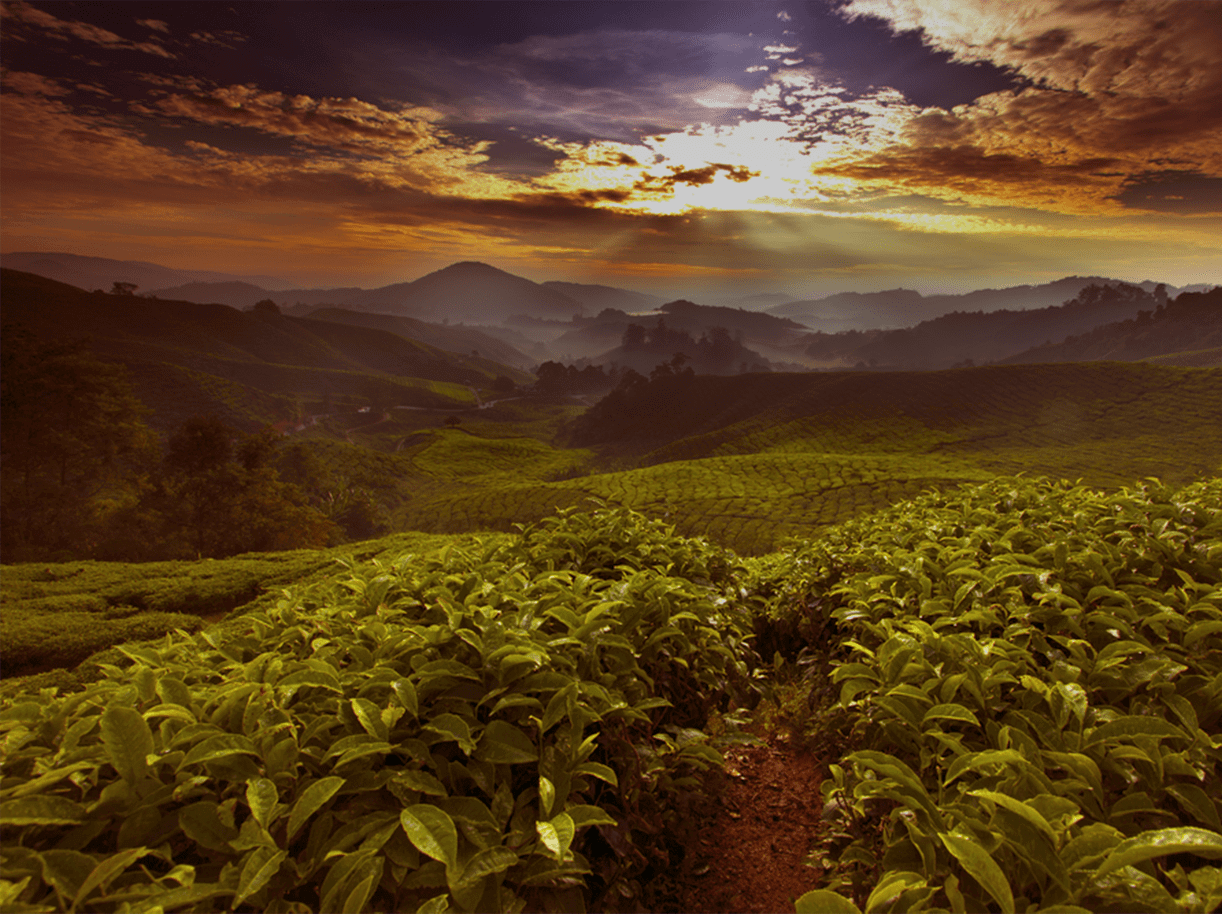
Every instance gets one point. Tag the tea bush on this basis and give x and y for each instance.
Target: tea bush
(1029, 693)
(418, 733)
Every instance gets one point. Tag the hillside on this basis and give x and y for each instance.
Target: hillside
(452, 338)
(102, 272)
(595, 298)
(468, 291)
(678, 327)
(963, 338)
(1189, 327)
(899, 308)
(749, 460)
(262, 352)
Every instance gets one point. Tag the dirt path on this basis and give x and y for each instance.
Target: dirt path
(751, 848)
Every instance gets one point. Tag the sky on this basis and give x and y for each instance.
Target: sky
(685, 148)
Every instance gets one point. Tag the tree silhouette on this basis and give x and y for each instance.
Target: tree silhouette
(72, 427)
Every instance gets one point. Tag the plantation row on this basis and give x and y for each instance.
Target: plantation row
(1030, 689)
(747, 502)
(1021, 680)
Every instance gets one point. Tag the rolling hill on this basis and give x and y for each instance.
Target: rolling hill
(961, 338)
(1187, 330)
(211, 348)
(102, 272)
(469, 291)
(898, 308)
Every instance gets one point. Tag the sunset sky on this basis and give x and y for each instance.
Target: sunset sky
(678, 148)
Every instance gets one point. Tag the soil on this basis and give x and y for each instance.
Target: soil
(762, 821)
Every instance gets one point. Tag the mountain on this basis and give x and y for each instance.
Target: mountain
(232, 359)
(103, 272)
(451, 337)
(961, 338)
(235, 294)
(598, 339)
(760, 301)
(1185, 331)
(595, 298)
(898, 308)
(468, 291)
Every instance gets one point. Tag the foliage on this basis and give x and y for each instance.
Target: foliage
(70, 426)
(57, 615)
(216, 498)
(1026, 682)
(421, 733)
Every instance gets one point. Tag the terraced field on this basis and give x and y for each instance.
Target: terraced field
(776, 456)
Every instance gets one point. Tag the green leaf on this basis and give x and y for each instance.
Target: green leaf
(201, 823)
(128, 741)
(950, 712)
(432, 831)
(1196, 801)
(261, 797)
(311, 677)
(438, 904)
(312, 800)
(261, 865)
(453, 727)
(547, 796)
(557, 707)
(824, 901)
(217, 747)
(47, 810)
(406, 693)
(589, 815)
(420, 781)
(370, 717)
(355, 902)
(503, 743)
(1159, 843)
(981, 867)
(973, 761)
(107, 870)
(66, 870)
(891, 886)
(556, 834)
(891, 767)
(1019, 808)
(495, 859)
(597, 770)
(1134, 725)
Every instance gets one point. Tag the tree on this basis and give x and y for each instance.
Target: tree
(123, 288)
(266, 306)
(71, 430)
(221, 493)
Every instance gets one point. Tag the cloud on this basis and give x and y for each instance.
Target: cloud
(1134, 81)
(155, 24)
(63, 29)
(607, 84)
(694, 176)
(1173, 191)
(25, 83)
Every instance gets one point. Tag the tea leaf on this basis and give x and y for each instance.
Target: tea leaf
(432, 831)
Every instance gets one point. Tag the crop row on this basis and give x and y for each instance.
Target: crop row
(1028, 685)
(747, 502)
(460, 731)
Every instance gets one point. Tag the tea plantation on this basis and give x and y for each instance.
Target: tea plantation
(1019, 679)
